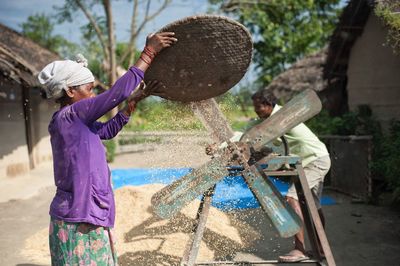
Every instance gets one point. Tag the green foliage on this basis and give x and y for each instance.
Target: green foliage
(91, 47)
(385, 155)
(88, 32)
(39, 28)
(284, 30)
(386, 159)
(360, 122)
(240, 125)
(97, 29)
(93, 52)
(120, 50)
(110, 149)
(91, 44)
(242, 98)
(96, 68)
(386, 12)
(323, 124)
(236, 108)
(66, 12)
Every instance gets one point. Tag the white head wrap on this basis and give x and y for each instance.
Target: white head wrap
(59, 75)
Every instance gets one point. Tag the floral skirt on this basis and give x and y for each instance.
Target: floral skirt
(81, 244)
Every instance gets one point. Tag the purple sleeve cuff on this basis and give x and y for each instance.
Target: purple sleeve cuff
(124, 117)
(138, 71)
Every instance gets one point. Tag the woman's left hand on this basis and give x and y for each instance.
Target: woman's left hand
(152, 87)
(143, 91)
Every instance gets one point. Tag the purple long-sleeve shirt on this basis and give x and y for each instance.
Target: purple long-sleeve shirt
(81, 173)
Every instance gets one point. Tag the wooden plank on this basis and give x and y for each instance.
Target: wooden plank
(193, 245)
(308, 222)
(313, 214)
(29, 128)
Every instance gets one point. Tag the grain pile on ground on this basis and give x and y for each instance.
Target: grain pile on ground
(145, 239)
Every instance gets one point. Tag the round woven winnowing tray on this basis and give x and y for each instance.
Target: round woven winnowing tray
(212, 55)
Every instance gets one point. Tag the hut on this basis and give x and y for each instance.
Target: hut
(24, 116)
(357, 67)
(306, 73)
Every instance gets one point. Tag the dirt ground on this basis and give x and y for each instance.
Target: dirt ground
(359, 234)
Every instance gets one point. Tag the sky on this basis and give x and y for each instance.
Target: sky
(15, 12)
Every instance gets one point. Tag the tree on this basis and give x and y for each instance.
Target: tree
(40, 28)
(284, 30)
(388, 12)
(102, 26)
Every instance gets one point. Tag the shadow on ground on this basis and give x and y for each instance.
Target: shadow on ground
(223, 247)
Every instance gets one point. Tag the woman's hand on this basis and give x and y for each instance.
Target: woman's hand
(155, 42)
(146, 90)
(159, 41)
(142, 92)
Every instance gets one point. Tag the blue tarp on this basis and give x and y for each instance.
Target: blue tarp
(231, 193)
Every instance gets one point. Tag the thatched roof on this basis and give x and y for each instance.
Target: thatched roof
(304, 74)
(319, 70)
(21, 59)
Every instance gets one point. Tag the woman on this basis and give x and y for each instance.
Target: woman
(83, 210)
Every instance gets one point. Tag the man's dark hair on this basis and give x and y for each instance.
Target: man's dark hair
(266, 98)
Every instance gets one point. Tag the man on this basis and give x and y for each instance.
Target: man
(315, 160)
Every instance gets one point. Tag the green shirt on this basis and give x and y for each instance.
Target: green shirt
(304, 143)
(301, 140)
